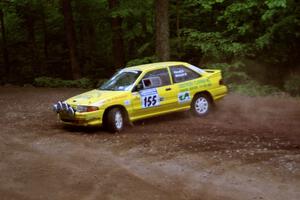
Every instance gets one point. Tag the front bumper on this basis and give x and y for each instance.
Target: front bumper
(68, 115)
(82, 119)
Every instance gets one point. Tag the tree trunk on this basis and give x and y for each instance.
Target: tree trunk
(4, 44)
(31, 41)
(162, 46)
(45, 56)
(117, 37)
(28, 15)
(45, 33)
(179, 44)
(178, 22)
(71, 37)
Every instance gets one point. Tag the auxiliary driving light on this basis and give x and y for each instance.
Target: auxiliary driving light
(59, 106)
(65, 106)
(55, 109)
(70, 111)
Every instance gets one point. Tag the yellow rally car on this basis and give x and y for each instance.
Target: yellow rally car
(144, 91)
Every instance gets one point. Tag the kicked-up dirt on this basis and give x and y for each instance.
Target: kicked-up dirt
(248, 148)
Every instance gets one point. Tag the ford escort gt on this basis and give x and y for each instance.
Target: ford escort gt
(144, 91)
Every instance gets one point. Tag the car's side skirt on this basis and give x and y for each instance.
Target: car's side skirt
(160, 113)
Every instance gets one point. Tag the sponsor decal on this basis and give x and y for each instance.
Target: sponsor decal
(184, 97)
(127, 102)
(179, 73)
(194, 85)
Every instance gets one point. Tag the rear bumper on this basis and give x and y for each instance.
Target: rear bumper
(83, 119)
(219, 92)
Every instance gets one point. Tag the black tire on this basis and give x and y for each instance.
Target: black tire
(114, 120)
(201, 105)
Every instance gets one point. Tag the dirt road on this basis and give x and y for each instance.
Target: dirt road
(249, 148)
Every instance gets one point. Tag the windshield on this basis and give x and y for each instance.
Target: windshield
(121, 81)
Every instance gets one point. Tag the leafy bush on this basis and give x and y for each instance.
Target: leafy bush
(292, 85)
(232, 73)
(237, 78)
(253, 88)
(47, 82)
(84, 83)
(57, 82)
(214, 45)
(240, 82)
(100, 82)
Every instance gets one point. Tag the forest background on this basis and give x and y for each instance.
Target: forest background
(80, 43)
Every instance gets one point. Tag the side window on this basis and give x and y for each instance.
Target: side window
(156, 78)
(181, 73)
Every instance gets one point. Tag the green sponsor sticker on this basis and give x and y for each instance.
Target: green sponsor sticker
(184, 97)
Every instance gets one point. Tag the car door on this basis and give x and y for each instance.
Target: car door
(184, 83)
(155, 95)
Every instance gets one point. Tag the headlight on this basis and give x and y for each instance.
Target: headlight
(87, 108)
(99, 103)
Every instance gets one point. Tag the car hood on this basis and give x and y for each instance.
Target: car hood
(94, 97)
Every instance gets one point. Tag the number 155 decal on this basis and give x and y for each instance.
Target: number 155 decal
(149, 98)
(150, 101)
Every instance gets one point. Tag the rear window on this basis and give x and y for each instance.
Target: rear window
(181, 73)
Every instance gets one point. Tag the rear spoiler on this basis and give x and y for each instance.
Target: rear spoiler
(213, 73)
(197, 69)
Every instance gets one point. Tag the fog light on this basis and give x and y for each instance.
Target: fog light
(71, 111)
(59, 106)
(54, 108)
(65, 106)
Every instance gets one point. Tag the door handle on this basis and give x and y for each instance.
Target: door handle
(168, 89)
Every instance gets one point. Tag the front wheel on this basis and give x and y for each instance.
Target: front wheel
(201, 105)
(115, 120)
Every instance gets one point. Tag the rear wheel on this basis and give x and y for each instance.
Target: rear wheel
(115, 120)
(201, 105)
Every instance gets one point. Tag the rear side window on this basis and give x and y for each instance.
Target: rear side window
(181, 73)
(161, 76)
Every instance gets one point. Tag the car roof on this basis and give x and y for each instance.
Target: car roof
(152, 66)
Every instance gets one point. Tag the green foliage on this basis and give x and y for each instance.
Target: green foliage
(213, 44)
(235, 29)
(232, 73)
(57, 82)
(240, 82)
(201, 31)
(207, 5)
(276, 3)
(292, 85)
(100, 82)
(140, 61)
(253, 88)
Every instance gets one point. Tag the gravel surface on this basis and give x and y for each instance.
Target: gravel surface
(248, 148)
